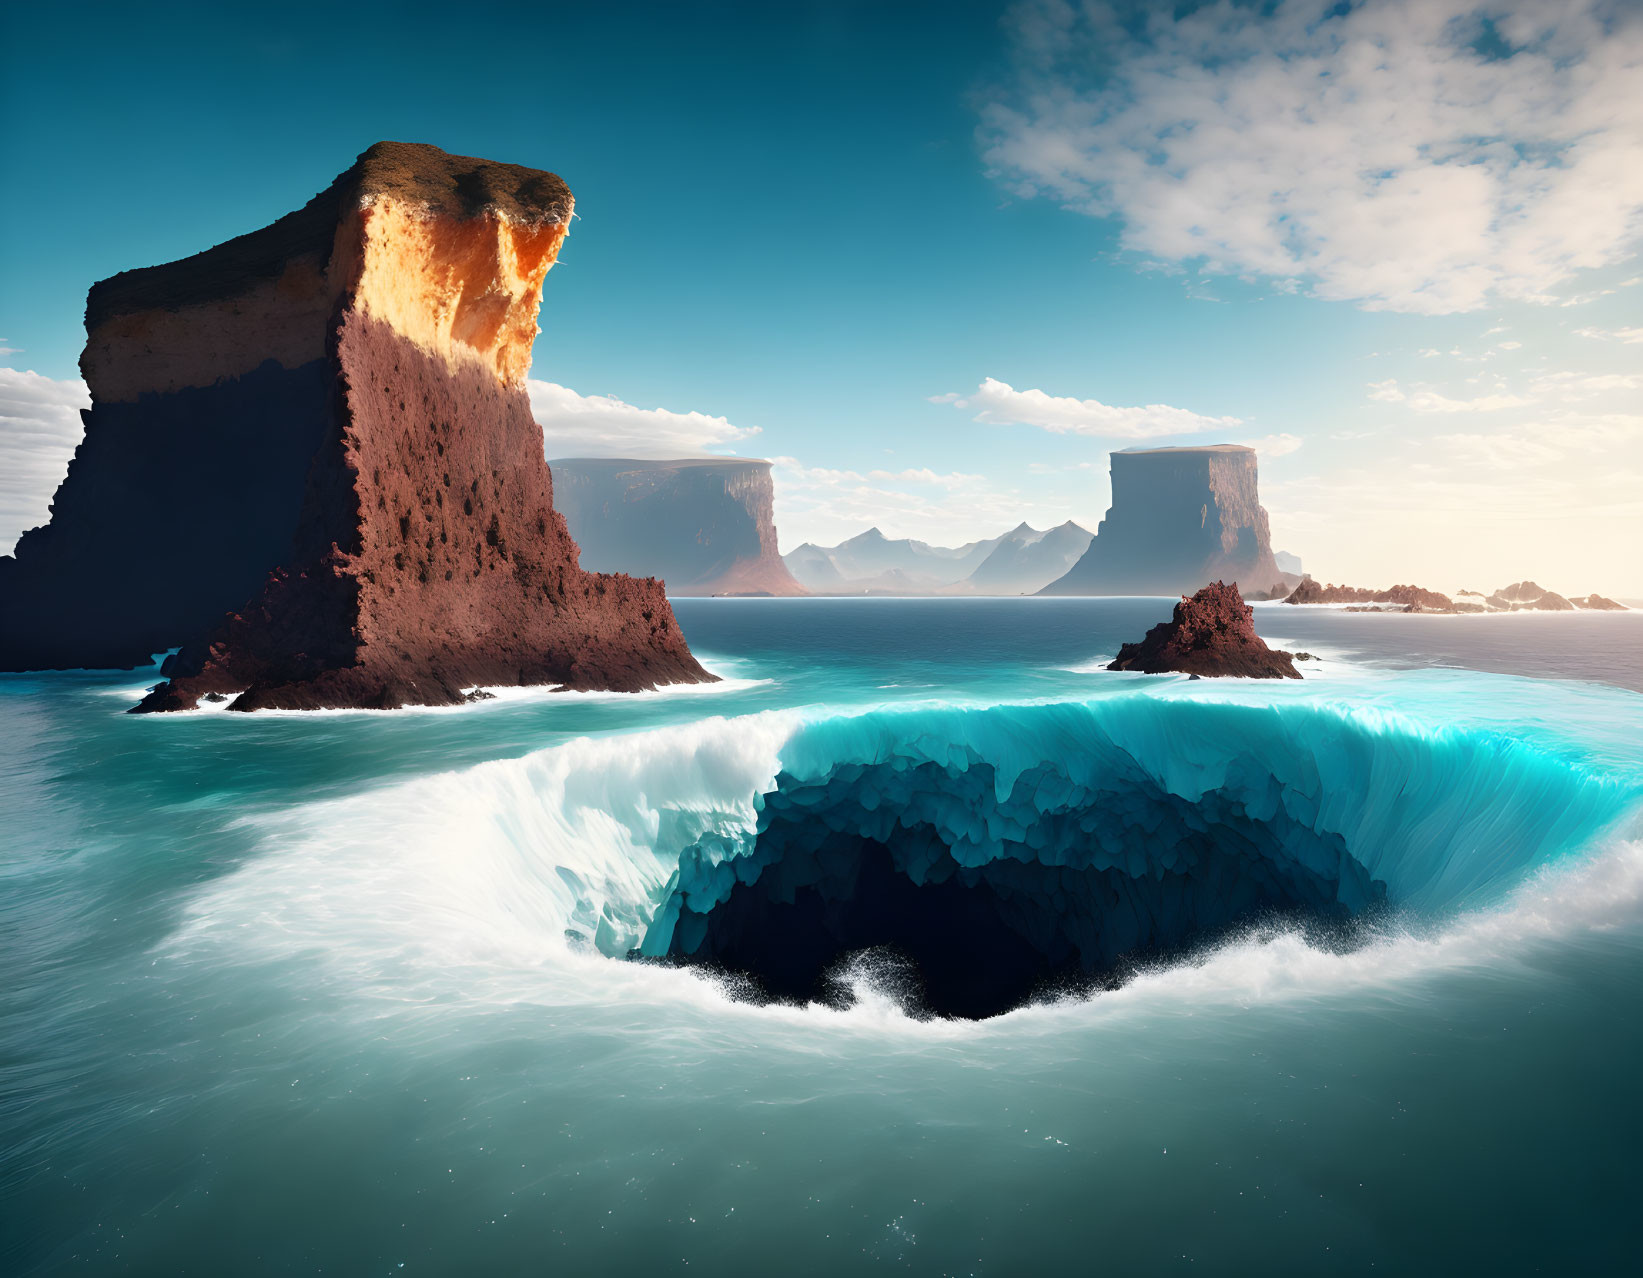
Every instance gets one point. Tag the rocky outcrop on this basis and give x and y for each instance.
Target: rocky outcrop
(1409, 597)
(321, 430)
(1523, 596)
(1527, 595)
(704, 525)
(1212, 633)
(1180, 518)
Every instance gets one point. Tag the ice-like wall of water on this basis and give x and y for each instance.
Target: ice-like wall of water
(1120, 826)
(493, 878)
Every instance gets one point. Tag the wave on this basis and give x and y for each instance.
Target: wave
(1057, 838)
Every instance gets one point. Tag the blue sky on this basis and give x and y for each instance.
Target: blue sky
(1393, 245)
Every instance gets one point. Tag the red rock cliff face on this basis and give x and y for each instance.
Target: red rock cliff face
(353, 379)
(1180, 518)
(705, 525)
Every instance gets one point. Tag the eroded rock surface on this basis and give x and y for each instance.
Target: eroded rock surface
(311, 462)
(1211, 633)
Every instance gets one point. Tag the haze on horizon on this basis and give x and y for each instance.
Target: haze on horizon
(937, 263)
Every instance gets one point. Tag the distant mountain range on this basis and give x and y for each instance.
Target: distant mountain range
(1019, 562)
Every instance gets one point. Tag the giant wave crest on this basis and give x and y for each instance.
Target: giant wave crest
(1005, 850)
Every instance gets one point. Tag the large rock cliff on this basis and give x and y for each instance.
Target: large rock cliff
(704, 525)
(1180, 518)
(311, 461)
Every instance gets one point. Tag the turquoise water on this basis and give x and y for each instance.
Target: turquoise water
(349, 992)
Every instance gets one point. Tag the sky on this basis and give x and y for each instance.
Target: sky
(937, 261)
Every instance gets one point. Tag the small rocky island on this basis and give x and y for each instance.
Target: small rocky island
(310, 462)
(1522, 596)
(1212, 633)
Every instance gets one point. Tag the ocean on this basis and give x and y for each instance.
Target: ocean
(406, 992)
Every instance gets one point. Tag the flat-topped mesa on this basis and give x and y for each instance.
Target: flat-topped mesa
(1180, 518)
(704, 525)
(1212, 633)
(327, 418)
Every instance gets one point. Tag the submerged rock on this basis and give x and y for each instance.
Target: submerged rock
(311, 462)
(1212, 633)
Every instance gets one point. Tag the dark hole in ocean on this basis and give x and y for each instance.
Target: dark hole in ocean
(1123, 877)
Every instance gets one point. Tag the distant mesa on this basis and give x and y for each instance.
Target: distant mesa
(311, 462)
(1019, 562)
(704, 525)
(1212, 633)
(1180, 518)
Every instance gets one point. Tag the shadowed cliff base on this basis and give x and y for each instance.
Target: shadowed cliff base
(338, 454)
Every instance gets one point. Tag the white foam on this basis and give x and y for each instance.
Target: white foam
(503, 695)
(502, 883)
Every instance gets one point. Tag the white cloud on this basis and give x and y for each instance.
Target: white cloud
(39, 429)
(827, 505)
(1534, 445)
(1410, 155)
(1274, 445)
(604, 426)
(1000, 404)
(1572, 386)
(1426, 401)
(1630, 336)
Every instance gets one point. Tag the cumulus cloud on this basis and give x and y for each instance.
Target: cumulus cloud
(825, 505)
(1572, 386)
(1001, 404)
(39, 430)
(1427, 401)
(1423, 156)
(1629, 336)
(604, 426)
(1534, 445)
(1274, 445)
